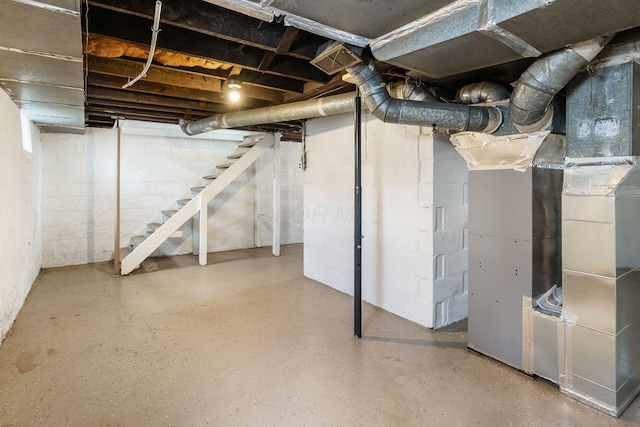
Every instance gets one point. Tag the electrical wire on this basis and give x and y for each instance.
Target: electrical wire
(154, 39)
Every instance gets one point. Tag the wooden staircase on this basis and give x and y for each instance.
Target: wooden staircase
(142, 246)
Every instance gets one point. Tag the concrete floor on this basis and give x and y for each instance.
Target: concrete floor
(248, 340)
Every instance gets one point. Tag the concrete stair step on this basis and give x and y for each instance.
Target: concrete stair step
(198, 189)
(183, 202)
(169, 212)
(124, 252)
(224, 165)
(136, 241)
(248, 143)
(237, 154)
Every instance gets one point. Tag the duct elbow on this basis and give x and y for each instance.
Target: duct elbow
(184, 125)
(494, 120)
(530, 108)
(482, 92)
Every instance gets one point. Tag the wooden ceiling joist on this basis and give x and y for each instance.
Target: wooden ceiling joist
(217, 22)
(172, 77)
(135, 29)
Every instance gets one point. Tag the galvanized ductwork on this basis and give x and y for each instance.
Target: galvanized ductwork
(328, 106)
(377, 100)
(476, 93)
(530, 101)
(407, 112)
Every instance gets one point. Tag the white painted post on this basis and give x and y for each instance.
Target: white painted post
(257, 204)
(116, 233)
(203, 230)
(195, 234)
(276, 195)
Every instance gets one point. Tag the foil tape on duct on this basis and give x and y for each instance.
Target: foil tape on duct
(484, 151)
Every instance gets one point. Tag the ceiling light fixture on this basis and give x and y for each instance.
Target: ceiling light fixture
(234, 95)
(234, 85)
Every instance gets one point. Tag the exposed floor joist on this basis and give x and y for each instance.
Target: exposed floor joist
(199, 47)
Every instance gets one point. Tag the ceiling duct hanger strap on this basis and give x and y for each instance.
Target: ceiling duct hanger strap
(489, 27)
(321, 29)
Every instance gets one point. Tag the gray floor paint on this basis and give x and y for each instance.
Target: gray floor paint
(248, 340)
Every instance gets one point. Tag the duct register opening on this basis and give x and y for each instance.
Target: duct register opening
(335, 56)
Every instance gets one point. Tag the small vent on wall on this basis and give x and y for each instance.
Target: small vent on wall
(335, 56)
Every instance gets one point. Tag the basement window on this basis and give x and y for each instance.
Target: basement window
(27, 144)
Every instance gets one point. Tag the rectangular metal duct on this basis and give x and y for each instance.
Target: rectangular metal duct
(41, 61)
(468, 35)
(370, 19)
(601, 281)
(603, 112)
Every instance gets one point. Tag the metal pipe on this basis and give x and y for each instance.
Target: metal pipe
(530, 101)
(409, 90)
(155, 29)
(376, 99)
(419, 113)
(482, 92)
(357, 234)
(330, 105)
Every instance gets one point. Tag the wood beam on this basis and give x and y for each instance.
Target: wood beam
(104, 46)
(335, 87)
(151, 88)
(91, 103)
(135, 29)
(283, 47)
(145, 100)
(137, 115)
(216, 21)
(172, 77)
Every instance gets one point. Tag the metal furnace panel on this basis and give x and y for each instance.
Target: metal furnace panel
(499, 276)
(546, 229)
(500, 204)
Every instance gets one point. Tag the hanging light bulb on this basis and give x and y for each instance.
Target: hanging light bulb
(234, 95)
(234, 85)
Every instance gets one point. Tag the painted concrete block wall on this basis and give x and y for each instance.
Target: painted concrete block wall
(397, 217)
(451, 251)
(414, 217)
(291, 207)
(78, 196)
(20, 259)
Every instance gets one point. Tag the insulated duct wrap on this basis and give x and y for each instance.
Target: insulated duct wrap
(537, 86)
(406, 112)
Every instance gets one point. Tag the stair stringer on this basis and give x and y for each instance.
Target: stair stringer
(166, 230)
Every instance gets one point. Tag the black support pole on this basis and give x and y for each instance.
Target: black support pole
(357, 264)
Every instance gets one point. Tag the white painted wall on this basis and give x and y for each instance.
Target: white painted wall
(78, 193)
(451, 249)
(19, 212)
(410, 179)
(291, 209)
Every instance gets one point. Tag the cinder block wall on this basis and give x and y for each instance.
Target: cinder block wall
(19, 213)
(78, 193)
(414, 217)
(450, 236)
